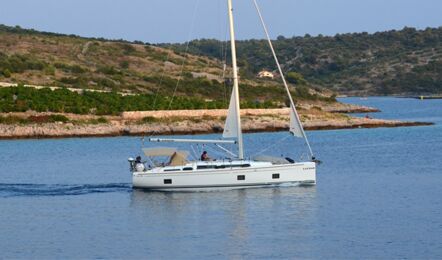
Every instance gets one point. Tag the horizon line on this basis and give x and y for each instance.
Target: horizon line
(18, 27)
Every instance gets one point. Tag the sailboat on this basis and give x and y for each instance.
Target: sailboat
(178, 173)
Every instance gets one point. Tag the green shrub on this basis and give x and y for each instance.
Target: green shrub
(75, 81)
(128, 49)
(124, 64)
(11, 120)
(304, 93)
(40, 119)
(149, 119)
(49, 70)
(187, 75)
(105, 82)
(58, 118)
(70, 68)
(6, 73)
(296, 78)
(18, 63)
(78, 69)
(108, 70)
(100, 120)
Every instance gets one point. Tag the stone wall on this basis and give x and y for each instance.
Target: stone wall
(136, 115)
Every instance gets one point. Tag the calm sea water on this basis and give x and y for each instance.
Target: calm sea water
(378, 195)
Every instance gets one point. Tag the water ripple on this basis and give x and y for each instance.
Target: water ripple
(23, 189)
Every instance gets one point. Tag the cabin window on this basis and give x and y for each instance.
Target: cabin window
(222, 166)
(239, 165)
(204, 167)
(172, 170)
(167, 181)
(241, 177)
(188, 169)
(275, 176)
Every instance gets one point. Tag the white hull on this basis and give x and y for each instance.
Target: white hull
(228, 178)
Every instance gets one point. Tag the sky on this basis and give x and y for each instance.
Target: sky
(160, 21)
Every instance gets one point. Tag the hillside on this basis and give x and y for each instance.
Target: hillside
(69, 61)
(407, 61)
(54, 85)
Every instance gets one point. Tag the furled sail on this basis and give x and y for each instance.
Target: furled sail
(231, 125)
(295, 124)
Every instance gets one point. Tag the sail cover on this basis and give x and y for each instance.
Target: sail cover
(231, 126)
(295, 124)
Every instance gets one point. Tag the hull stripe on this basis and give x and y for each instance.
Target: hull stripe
(220, 186)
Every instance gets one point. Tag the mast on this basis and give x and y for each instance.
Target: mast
(235, 81)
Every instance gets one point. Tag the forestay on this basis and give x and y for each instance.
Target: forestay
(295, 124)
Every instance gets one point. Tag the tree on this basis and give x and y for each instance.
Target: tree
(296, 78)
(280, 38)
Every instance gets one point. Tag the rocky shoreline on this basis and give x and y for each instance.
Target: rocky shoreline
(146, 123)
(108, 130)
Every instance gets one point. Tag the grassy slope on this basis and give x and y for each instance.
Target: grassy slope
(37, 58)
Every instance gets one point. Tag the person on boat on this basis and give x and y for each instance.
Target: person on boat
(205, 156)
(139, 165)
(138, 160)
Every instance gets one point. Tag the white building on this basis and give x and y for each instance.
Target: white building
(265, 74)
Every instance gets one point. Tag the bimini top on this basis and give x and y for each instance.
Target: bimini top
(160, 151)
(177, 157)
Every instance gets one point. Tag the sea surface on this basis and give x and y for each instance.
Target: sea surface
(379, 195)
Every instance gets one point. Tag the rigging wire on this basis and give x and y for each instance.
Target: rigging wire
(270, 147)
(214, 151)
(194, 155)
(223, 54)
(282, 76)
(185, 53)
(161, 81)
(225, 43)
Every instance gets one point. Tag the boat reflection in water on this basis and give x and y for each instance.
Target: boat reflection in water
(230, 220)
